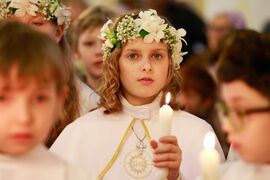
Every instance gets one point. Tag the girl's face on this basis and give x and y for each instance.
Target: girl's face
(248, 132)
(28, 109)
(89, 51)
(38, 22)
(143, 70)
(217, 30)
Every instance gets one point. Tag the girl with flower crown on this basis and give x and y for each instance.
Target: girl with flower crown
(120, 140)
(52, 18)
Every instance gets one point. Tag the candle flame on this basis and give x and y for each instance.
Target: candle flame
(209, 140)
(168, 98)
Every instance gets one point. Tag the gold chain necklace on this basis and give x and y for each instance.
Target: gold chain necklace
(118, 149)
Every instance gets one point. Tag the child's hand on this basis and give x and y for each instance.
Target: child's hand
(167, 154)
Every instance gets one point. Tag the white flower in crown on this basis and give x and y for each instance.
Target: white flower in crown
(108, 43)
(24, 7)
(150, 23)
(177, 55)
(62, 14)
(50, 9)
(104, 29)
(3, 9)
(109, 38)
(180, 33)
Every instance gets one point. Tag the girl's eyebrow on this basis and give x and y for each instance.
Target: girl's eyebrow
(38, 18)
(160, 49)
(132, 49)
(4, 87)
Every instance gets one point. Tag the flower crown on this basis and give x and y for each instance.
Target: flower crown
(147, 25)
(51, 9)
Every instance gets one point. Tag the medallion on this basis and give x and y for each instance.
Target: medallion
(138, 164)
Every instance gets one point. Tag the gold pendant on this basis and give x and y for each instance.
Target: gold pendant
(137, 164)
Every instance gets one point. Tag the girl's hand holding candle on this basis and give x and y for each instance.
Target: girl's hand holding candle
(168, 167)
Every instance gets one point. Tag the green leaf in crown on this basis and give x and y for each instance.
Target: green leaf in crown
(53, 6)
(143, 33)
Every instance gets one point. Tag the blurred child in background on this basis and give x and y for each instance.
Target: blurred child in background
(87, 45)
(53, 18)
(33, 87)
(244, 75)
(199, 96)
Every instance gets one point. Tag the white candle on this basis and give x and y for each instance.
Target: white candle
(165, 117)
(164, 129)
(209, 158)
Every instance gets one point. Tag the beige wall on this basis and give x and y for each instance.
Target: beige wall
(256, 12)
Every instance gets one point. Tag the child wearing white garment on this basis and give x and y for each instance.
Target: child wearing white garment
(244, 74)
(33, 86)
(52, 17)
(120, 140)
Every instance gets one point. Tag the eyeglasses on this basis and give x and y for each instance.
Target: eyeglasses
(236, 118)
(220, 29)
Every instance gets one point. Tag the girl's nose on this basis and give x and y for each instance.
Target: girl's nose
(23, 112)
(228, 126)
(98, 49)
(146, 65)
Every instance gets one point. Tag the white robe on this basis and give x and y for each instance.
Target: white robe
(88, 98)
(232, 155)
(240, 170)
(39, 164)
(91, 140)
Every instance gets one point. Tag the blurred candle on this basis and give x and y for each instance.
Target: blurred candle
(164, 129)
(209, 158)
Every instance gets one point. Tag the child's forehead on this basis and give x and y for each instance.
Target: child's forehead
(18, 80)
(28, 17)
(93, 29)
(21, 83)
(90, 33)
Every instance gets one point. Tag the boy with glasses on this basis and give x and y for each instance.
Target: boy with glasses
(244, 75)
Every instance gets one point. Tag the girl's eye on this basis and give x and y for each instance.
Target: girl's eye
(2, 98)
(5, 98)
(88, 43)
(133, 56)
(157, 56)
(41, 98)
(37, 23)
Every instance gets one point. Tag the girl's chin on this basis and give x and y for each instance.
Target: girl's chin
(253, 159)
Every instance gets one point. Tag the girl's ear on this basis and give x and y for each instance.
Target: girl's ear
(63, 94)
(59, 32)
(77, 55)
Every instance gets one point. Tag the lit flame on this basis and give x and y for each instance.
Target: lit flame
(209, 140)
(168, 98)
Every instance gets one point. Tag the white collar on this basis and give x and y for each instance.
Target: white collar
(33, 154)
(143, 112)
(256, 166)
